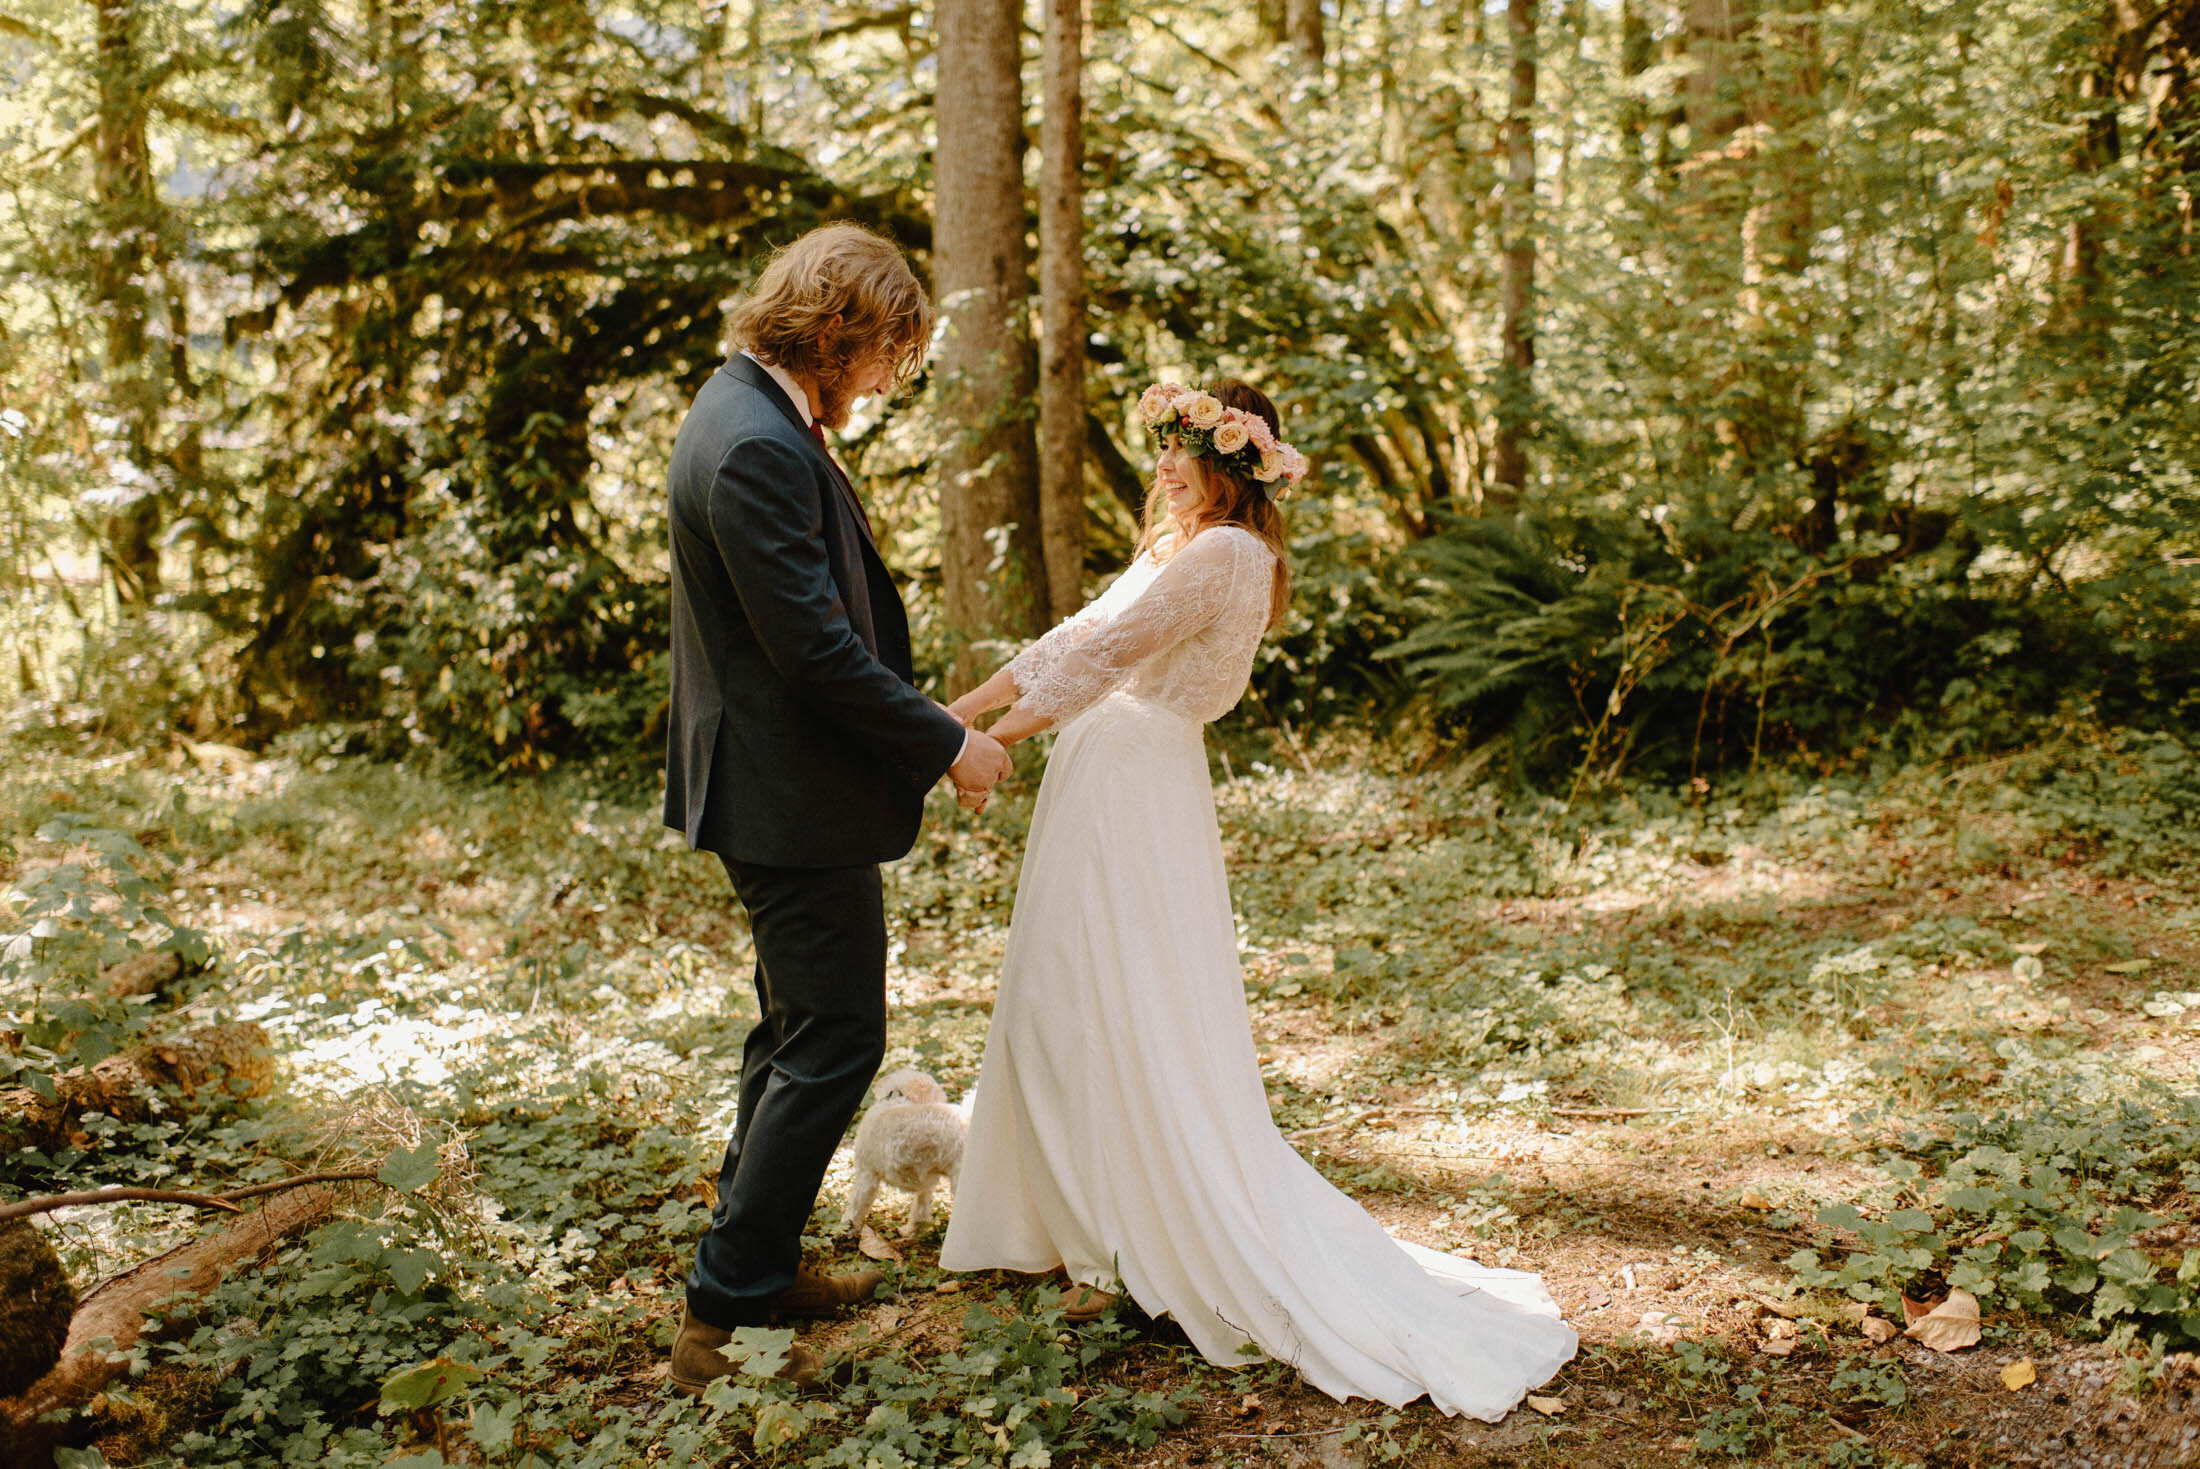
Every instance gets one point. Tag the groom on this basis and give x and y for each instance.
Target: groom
(800, 750)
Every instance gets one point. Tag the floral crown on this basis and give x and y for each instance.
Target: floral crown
(1239, 441)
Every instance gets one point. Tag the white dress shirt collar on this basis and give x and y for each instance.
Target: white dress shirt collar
(787, 385)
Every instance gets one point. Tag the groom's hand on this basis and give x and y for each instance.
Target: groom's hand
(983, 764)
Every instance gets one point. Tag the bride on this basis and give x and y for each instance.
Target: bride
(1121, 1130)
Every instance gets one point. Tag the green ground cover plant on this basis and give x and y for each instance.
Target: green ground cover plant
(1695, 1052)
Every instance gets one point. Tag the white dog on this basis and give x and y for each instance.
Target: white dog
(911, 1138)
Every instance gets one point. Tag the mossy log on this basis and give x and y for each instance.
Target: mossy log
(36, 1302)
(113, 1316)
(231, 1061)
(153, 974)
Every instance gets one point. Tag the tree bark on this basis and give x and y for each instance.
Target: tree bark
(122, 183)
(112, 1318)
(1509, 467)
(233, 1058)
(992, 562)
(1714, 29)
(1302, 29)
(1062, 308)
(1635, 44)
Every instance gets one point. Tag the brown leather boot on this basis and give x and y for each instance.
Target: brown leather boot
(813, 1294)
(697, 1361)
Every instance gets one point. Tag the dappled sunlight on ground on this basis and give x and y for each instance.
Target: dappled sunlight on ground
(1637, 1050)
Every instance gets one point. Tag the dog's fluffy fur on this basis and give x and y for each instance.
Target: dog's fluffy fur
(911, 1138)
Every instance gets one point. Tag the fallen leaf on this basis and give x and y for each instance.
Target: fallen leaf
(1911, 1310)
(1779, 1330)
(1779, 1308)
(1548, 1407)
(1950, 1326)
(947, 1288)
(1878, 1329)
(873, 1245)
(1249, 1405)
(1857, 1310)
(1752, 1199)
(2038, 948)
(2129, 966)
(1780, 1348)
(2019, 1374)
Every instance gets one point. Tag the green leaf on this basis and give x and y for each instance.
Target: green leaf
(1033, 1455)
(2077, 1244)
(778, 1424)
(426, 1384)
(411, 1268)
(493, 1426)
(761, 1351)
(409, 1172)
(1840, 1216)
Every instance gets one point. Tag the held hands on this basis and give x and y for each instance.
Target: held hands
(984, 763)
(986, 756)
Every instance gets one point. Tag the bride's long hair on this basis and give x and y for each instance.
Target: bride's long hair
(1232, 499)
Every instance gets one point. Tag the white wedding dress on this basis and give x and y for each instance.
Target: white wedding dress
(1121, 1128)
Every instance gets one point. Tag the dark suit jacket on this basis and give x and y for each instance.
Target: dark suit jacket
(798, 738)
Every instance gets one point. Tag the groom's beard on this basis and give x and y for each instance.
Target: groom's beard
(834, 400)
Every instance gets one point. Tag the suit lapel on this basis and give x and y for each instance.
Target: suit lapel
(739, 366)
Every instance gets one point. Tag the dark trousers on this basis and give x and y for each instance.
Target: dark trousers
(821, 986)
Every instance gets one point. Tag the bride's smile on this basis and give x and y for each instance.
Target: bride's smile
(1179, 479)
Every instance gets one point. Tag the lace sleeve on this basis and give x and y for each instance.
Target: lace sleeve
(1187, 594)
(1039, 656)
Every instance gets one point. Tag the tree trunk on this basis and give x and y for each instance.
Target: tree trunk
(123, 210)
(992, 563)
(1509, 468)
(1635, 44)
(1302, 29)
(1062, 308)
(1714, 29)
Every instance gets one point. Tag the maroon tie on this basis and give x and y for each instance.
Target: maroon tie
(817, 432)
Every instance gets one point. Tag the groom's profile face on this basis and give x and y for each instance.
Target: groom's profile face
(869, 376)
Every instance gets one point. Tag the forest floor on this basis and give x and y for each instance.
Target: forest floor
(1638, 1047)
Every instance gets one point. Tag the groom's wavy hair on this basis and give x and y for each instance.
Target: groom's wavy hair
(1235, 499)
(841, 270)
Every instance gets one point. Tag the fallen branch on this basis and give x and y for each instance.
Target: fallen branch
(1612, 1111)
(114, 1194)
(123, 1194)
(113, 1316)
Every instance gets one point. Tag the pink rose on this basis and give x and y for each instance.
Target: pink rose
(1231, 437)
(1271, 469)
(1158, 402)
(1203, 411)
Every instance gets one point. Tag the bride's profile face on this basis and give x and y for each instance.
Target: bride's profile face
(1182, 480)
